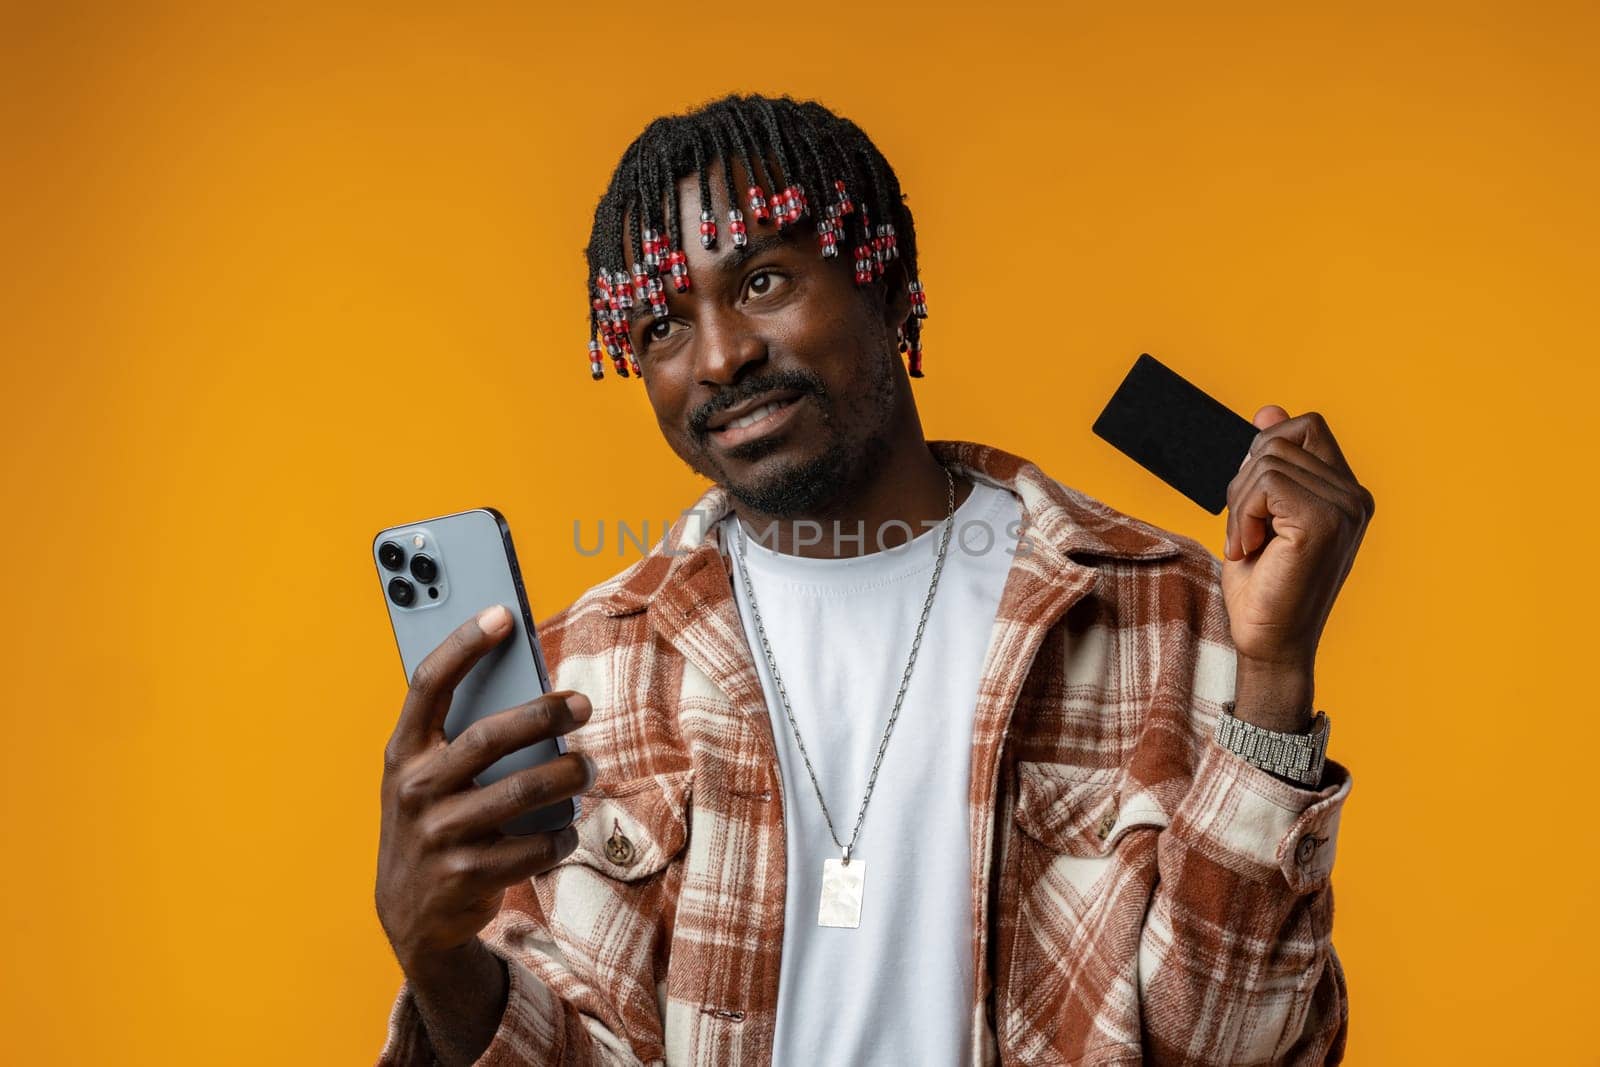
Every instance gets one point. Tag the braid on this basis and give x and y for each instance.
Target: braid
(715, 128)
(759, 183)
(750, 145)
(640, 206)
(672, 211)
(789, 204)
(830, 227)
(636, 247)
(715, 125)
(775, 136)
(820, 154)
(826, 148)
(700, 169)
(708, 221)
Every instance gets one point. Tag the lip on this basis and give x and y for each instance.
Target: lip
(739, 411)
(725, 437)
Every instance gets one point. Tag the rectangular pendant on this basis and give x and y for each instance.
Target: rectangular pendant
(841, 893)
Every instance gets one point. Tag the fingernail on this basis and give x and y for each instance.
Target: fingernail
(494, 619)
(580, 707)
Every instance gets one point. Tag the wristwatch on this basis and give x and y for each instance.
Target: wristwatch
(1296, 757)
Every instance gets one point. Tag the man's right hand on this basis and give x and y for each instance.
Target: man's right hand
(443, 864)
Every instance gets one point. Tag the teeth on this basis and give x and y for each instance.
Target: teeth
(754, 417)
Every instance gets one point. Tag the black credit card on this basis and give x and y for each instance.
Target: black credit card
(1176, 432)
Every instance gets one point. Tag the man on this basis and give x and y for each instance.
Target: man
(861, 788)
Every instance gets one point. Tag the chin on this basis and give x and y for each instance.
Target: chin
(789, 486)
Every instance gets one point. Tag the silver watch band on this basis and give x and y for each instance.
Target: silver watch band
(1299, 757)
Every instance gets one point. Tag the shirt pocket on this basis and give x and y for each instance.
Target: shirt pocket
(633, 829)
(1078, 875)
(1082, 812)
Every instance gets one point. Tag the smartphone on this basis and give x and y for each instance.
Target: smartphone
(1176, 431)
(438, 573)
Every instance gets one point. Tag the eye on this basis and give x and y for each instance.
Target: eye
(762, 282)
(659, 330)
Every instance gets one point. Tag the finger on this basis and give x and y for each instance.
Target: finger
(1276, 496)
(478, 868)
(434, 681)
(1285, 440)
(510, 860)
(1287, 449)
(1270, 415)
(1310, 431)
(486, 740)
(479, 812)
(1352, 498)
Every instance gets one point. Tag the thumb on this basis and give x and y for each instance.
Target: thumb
(1270, 415)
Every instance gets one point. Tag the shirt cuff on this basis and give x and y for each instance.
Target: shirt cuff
(408, 1038)
(1259, 825)
(533, 1029)
(530, 1031)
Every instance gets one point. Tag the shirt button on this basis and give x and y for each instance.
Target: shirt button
(1306, 850)
(619, 849)
(1107, 821)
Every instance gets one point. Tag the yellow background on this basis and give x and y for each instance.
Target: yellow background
(272, 279)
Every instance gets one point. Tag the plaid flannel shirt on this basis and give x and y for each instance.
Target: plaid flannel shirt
(1139, 894)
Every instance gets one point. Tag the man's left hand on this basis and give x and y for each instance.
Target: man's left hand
(1296, 516)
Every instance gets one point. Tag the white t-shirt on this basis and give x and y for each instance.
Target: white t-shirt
(898, 989)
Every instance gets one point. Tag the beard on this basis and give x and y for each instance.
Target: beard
(858, 439)
(808, 487)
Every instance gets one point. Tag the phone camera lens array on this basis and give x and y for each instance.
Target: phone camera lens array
(423, 569)
(391, 555)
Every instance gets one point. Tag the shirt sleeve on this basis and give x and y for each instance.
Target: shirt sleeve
(1237, 963)
(538, 1026)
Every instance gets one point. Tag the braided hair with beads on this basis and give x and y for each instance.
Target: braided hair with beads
(823, 159)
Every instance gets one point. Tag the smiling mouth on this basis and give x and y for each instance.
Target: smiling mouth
(757, 423)
(757, 415)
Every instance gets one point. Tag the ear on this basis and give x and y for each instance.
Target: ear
(896, 297)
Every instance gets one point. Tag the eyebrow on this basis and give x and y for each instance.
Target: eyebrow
(726, 265)
(755, 246)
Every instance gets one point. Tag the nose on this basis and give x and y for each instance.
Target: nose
(726, 345)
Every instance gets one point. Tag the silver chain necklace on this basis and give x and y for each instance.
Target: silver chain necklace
(843, 879)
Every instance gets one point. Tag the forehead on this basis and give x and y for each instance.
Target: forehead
(716, 266)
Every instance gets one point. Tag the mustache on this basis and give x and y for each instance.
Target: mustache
(800, 381)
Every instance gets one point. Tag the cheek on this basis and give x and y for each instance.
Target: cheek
(835, 327)
(668, 400)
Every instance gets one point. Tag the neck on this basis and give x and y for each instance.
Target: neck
(904, 495)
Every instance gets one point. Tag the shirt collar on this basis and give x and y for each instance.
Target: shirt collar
(1058, 520)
